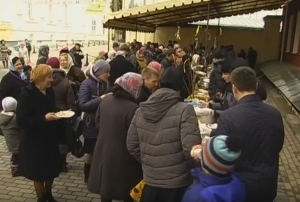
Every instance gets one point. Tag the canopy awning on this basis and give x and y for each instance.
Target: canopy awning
(180, 12)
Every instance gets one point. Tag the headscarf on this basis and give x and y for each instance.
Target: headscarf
(70, 64)
(155, 65)
(132, 83)
(111, 54)
(11, 67)
(119, 52)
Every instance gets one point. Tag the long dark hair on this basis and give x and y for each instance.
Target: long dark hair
(120, 93)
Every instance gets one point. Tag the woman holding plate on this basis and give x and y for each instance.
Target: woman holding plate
(39, 158)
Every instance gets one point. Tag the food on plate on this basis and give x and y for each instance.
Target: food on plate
(65, 114)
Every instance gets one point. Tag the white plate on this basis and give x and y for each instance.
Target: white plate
(65, 114)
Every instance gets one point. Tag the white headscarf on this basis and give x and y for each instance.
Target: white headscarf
(70, 64)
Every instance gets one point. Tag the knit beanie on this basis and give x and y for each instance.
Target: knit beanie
(155, 65)
(100, 67)
(53, 62)
(220, 153)
(9, 104)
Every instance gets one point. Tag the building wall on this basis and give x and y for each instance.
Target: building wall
(263, 41)
(40, 22)
(291, 46)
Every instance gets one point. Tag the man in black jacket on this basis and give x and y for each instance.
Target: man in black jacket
(261, 130)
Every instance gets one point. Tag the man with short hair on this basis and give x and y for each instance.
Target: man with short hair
(161, 136)
(260, 127)
(169, 60)
(116, 46)
(150, 78)
(131, 57)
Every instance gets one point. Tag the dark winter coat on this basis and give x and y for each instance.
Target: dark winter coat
(77, 57)
(10, 131)
(119, 66)
(64, 95)
(114, 171)
(144, 95)
(39, 158)
(76, 75)
(216, 82)
(89, 100)
(260, 127)
(11, 86)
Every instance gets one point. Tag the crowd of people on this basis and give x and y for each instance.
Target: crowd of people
(129, 106)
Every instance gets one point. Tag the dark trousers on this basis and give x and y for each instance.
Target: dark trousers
(156, 194)
(28, 56)
(14, 159)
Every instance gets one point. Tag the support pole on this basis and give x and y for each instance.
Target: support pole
(284, 30)
(108, 39)
(136, 27)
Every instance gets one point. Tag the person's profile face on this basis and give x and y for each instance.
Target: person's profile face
(151, 83)
(226, 77)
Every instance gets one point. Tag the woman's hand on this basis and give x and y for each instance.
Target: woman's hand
(51, 117)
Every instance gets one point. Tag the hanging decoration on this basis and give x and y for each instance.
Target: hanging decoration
(177, 36)
(198, 29)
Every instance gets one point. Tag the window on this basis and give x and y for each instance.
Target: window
(289, 39)
(297, 34)
(30, 12)
(94, 26)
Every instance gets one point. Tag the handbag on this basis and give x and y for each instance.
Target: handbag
(73, 139)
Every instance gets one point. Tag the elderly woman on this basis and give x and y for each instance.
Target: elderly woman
(39, 158)
(65, 100)
(114, 171)
(13, 82)
(91, 93)
(74, 74)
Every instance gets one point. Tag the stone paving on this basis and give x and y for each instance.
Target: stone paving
(71, 188)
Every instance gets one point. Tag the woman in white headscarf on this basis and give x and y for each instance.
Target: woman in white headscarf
(75, 75)
(13, 82)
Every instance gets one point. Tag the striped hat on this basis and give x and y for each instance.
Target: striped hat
(220, 153)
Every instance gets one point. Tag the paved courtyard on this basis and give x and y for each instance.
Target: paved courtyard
(70, 186)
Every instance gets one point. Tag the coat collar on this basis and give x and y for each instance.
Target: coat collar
(207, 180)
(250, 98)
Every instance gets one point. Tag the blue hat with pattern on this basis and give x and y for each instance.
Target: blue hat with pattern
(220, 153)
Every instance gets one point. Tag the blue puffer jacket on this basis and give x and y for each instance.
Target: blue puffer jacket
(89, 99)
(213, 189)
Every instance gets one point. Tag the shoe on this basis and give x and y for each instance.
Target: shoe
(49, 198)
(14, 171)
(86, 171)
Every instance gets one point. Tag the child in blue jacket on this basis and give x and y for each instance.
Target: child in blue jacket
(215, 182)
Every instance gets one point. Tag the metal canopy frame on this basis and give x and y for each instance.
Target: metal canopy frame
(148, 18)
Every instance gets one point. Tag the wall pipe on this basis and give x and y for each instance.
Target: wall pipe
(284, 30)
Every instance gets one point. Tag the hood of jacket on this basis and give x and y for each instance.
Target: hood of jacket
(58, 76)
(158, 104)
(5, 118)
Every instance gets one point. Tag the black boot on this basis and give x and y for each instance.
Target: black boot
(87, 169)
(42, 200)
(48, 197)
(64, 163)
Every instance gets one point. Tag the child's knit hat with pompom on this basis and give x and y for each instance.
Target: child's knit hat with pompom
(220, 153)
